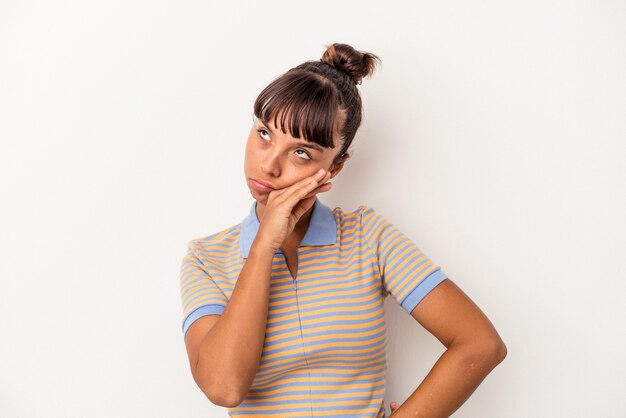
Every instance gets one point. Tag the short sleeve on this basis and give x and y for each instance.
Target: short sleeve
(200, 295)
(406, 273)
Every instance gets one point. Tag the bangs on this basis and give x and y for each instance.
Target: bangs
(306, 104)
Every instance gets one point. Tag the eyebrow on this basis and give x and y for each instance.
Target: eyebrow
(303, 143)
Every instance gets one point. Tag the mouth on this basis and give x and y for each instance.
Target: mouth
(258, 185)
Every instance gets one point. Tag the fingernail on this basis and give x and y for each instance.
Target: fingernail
(321, 171)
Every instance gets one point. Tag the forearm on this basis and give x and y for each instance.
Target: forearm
(231, 351)
(451, 381)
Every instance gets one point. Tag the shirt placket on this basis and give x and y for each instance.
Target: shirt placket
(295, 290)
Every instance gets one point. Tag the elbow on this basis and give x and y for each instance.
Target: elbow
(218, 391)
(489, 352)
(225, 401)
(494, 351)
(223, 397)
(501, 352)
(497, 349)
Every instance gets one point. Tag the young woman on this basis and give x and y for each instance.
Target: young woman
(283, 313)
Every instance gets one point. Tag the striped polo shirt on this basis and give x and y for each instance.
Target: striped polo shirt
(325, 350)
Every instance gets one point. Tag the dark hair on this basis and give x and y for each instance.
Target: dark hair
(319, 98)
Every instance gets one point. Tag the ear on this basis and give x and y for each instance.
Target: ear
(336, 168)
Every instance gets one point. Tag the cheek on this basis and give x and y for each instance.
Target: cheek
(252, 151)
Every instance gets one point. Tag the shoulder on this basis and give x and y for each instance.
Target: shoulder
(357, 214)
(362, 219)
(369, 217)
(216, 243)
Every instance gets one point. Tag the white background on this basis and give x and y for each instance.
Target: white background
(493, 136)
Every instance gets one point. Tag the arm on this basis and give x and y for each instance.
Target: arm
(474, 349)
(225, 351)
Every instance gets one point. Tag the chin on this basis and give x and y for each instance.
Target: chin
(259, 196)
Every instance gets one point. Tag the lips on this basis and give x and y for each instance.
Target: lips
(260, 186)
(264, 184)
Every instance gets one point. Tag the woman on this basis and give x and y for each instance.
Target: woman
(283, 312)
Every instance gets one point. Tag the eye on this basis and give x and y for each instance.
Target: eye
(305, 153)
(260, 131)
(264, 132)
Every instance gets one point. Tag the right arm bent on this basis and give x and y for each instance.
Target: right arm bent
(225, 351)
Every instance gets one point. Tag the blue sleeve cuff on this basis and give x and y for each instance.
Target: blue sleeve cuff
(422, 289)
(212, 309)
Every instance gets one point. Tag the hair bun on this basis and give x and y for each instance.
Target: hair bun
(357, 64)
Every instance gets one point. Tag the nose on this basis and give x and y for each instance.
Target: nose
(271, 164)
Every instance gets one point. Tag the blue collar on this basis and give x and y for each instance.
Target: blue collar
(322, 228)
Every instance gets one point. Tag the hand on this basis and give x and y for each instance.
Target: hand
(394, 407)
(286, 206)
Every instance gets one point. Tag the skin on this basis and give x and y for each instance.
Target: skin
(277, 158)
(473, 346)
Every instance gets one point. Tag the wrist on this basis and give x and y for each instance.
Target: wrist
(262, 249)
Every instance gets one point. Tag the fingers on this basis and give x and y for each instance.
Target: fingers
(307, 187)
(316, 180)
(299, 197)
(320, 185)
(394, 406)
(321, 188)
